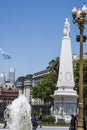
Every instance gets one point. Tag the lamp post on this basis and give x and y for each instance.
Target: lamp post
(80, 18)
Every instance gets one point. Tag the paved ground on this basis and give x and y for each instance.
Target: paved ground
(53, 128)
(43, 128)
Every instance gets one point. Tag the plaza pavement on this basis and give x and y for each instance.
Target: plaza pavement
(43, 128)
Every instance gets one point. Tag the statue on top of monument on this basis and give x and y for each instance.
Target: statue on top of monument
(66, 30)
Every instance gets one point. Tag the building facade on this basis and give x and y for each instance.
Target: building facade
(24, 85)
(39, 76)
(7, 95)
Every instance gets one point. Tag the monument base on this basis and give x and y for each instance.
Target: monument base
(65, 104)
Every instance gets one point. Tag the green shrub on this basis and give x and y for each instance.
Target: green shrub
(34, 113)
(48, 119)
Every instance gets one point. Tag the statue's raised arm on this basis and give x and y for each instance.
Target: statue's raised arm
(66, 30)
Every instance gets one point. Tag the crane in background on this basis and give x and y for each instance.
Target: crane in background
(5, 54)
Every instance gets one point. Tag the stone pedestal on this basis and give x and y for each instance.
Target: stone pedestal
(65, 104)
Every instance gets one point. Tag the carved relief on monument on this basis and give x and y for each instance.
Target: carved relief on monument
(60, 76)
(68, 76)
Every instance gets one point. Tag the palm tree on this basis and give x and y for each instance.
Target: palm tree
(54, 65)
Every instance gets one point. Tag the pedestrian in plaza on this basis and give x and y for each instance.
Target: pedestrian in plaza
(73, 123)
(5, 124)
(34, 122)
(40, 120)
(84, 123)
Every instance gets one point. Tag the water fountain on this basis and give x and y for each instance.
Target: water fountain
(18, 114)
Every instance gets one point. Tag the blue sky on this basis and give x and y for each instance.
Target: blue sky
(31, 31)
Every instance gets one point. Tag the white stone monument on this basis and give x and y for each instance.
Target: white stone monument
(65, 96)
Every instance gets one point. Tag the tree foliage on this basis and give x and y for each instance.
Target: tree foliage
(44, 89)
(54, 65)
(76, 76)
(47, 87)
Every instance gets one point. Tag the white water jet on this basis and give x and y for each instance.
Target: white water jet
(18, 114)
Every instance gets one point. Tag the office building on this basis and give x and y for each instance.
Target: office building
(11, 76)
(2, 79)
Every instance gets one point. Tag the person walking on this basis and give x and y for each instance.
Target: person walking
(73, 123)
(40, 120)
(84, 123)
(34, 122)
(5, 124)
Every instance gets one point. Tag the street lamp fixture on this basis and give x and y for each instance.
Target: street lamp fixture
(80, 18)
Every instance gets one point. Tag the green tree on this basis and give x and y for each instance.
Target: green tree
(46, 88)
(54, 65)
(76, 76)
(85, 78)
